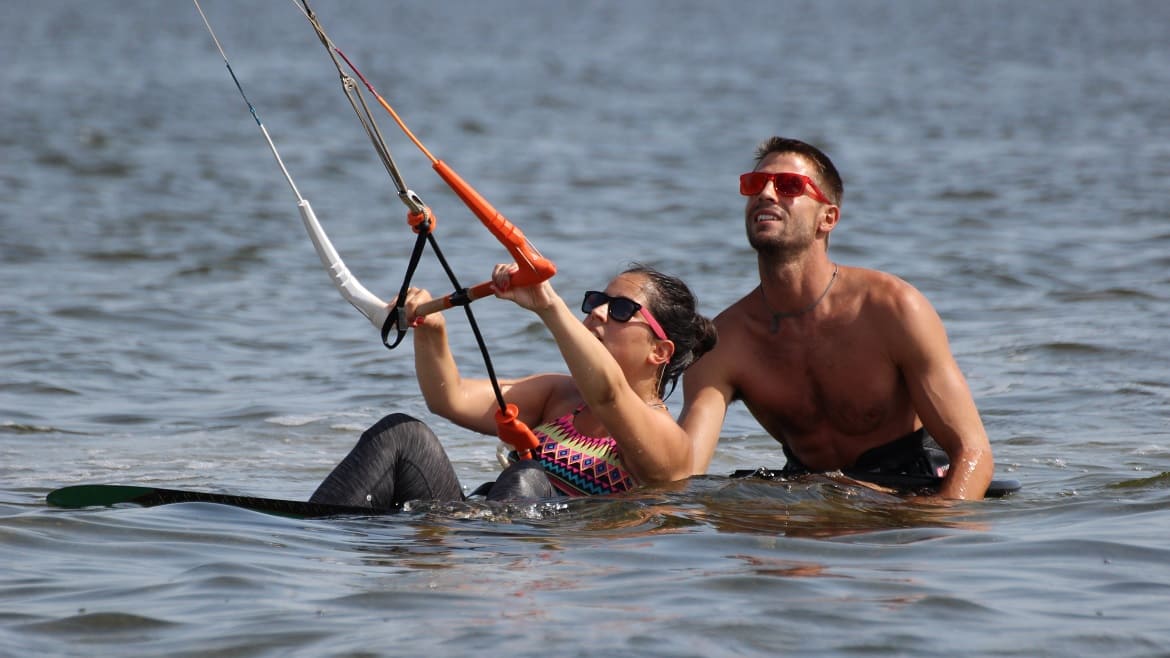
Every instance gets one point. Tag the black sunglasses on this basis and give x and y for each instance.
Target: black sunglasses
(621, 309)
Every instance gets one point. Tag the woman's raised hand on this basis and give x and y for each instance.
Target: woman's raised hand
(415, 297)
(534, 298)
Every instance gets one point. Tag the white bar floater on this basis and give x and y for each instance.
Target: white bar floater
(350, 288)
(366, 302)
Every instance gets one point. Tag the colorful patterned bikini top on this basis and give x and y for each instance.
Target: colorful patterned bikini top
(579, 465)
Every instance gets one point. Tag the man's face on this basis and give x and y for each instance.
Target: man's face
(777, 223)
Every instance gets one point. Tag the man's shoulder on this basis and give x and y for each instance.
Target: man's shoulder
(892, 307)
(733, 315)
(733, 340)
(884, 288)
(873, 277)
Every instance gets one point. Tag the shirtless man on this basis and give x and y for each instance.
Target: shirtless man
(848, 368)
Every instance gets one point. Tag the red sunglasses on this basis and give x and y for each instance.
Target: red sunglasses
(785, 183)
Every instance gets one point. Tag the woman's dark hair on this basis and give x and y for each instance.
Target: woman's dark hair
(673, 304)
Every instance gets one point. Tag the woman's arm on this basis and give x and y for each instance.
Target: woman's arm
(469, 403)
(653, 446)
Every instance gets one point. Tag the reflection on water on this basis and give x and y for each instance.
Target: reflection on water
(818, 506)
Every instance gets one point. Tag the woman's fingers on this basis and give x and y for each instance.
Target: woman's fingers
(502, 276)
(415, 297)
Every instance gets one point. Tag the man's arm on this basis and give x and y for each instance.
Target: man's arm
(941, 397)
(707, 392)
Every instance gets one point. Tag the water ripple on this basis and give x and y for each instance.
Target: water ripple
(166, 322)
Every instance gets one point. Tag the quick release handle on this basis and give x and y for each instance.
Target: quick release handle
(514, 432)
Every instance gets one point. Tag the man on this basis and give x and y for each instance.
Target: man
(849, 368)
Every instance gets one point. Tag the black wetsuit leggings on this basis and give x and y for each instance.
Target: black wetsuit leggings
(399, 459)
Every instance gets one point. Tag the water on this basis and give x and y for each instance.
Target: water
(164, 321)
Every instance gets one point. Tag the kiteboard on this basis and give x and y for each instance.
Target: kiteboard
(107, 495)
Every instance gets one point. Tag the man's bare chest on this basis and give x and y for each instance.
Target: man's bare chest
(801, 386)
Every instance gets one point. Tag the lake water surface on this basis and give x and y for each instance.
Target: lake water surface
(164, 321)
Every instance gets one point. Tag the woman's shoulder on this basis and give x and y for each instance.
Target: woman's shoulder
(563, 395)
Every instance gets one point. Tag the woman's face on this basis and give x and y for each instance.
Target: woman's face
(632, 337)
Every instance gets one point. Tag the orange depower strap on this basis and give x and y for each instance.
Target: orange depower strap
(534, 268)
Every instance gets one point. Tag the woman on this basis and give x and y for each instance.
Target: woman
(603, 428)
